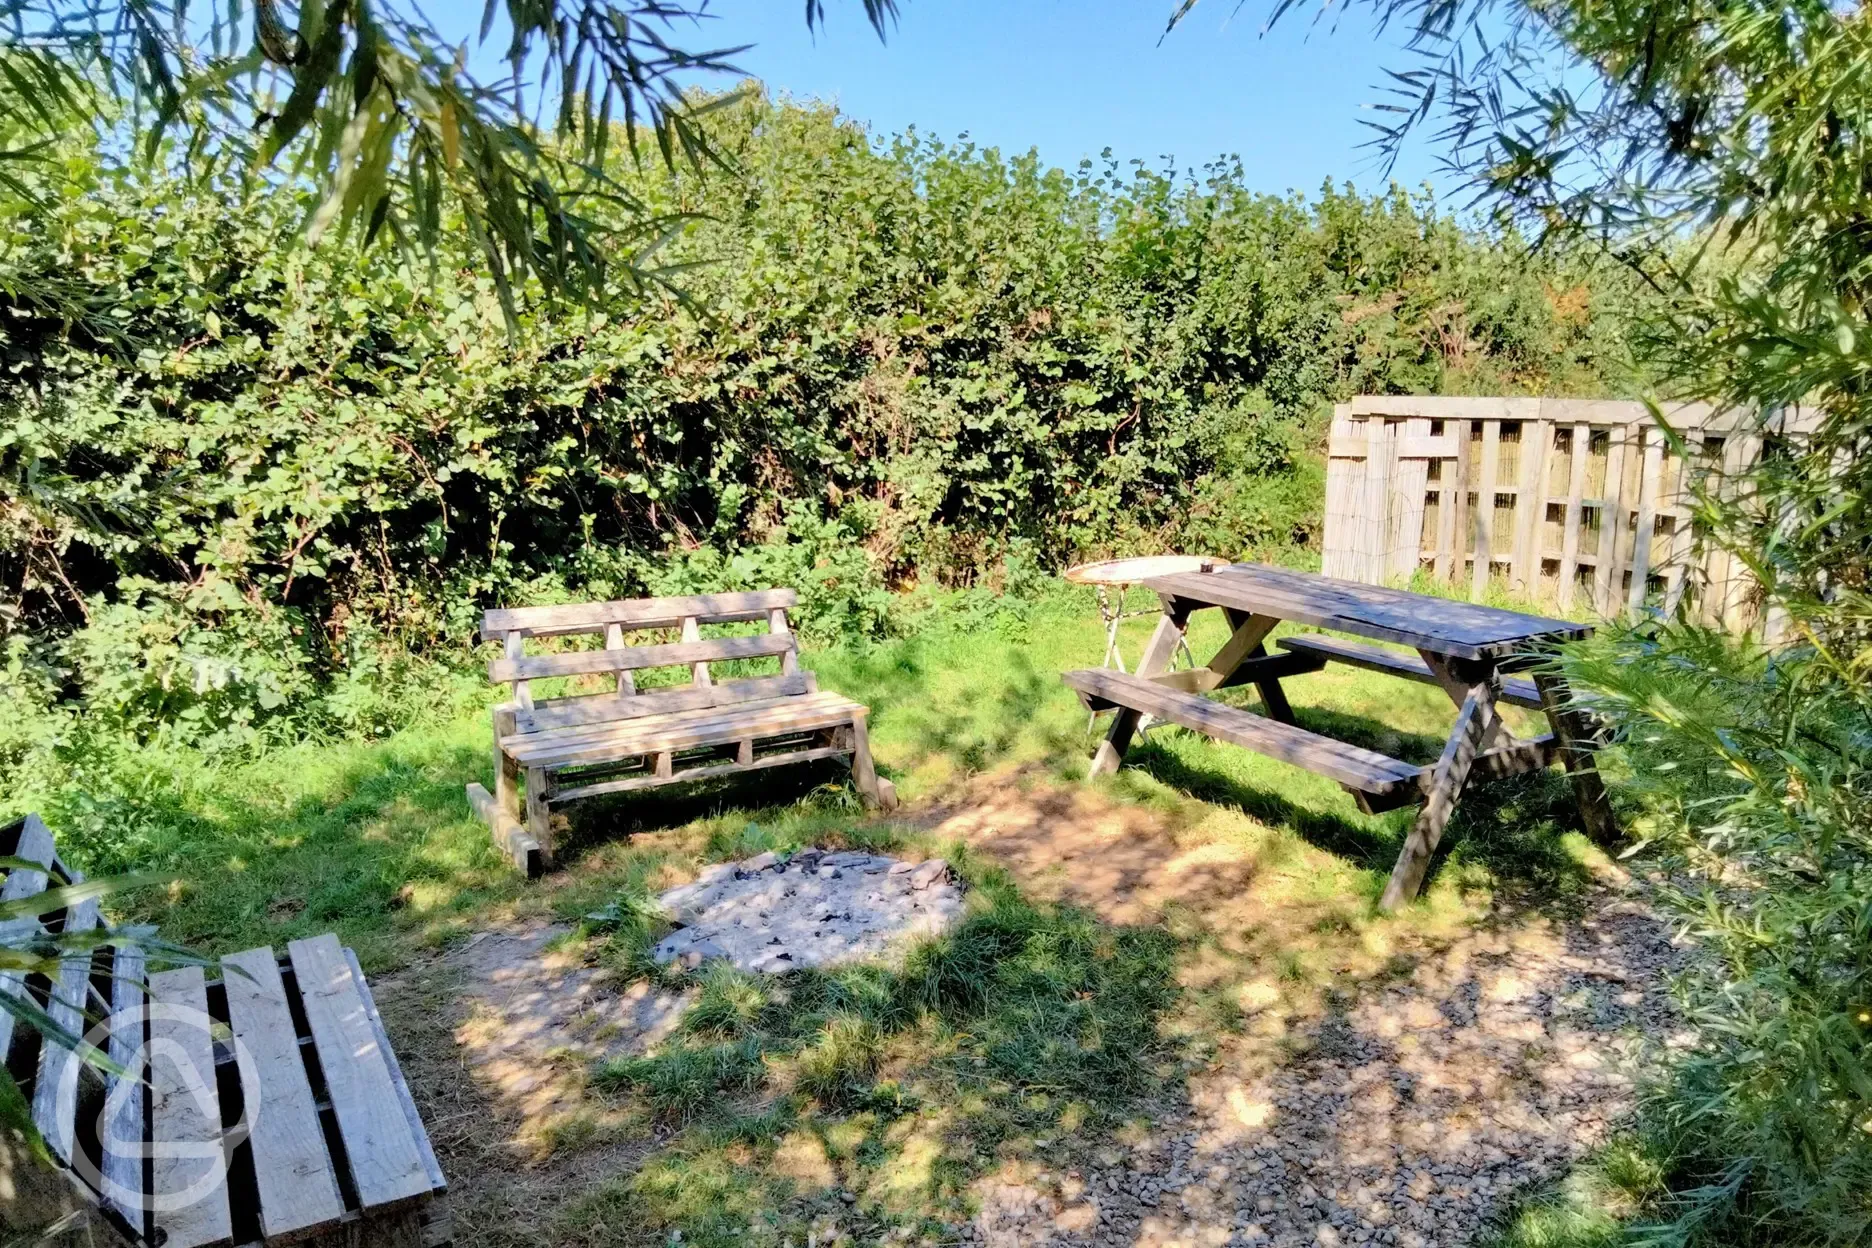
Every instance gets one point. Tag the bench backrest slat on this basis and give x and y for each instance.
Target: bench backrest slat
(635, 613)
(636, 658)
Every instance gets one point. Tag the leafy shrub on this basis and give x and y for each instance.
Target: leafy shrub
(1756, 774)
(266, 471)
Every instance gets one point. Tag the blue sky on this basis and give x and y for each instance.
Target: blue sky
(1071, 77)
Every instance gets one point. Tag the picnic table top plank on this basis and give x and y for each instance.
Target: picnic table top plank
(1461, 630)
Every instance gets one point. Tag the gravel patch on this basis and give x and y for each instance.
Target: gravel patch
(1413, 1114)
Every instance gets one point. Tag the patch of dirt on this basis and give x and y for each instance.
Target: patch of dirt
(497, 1038)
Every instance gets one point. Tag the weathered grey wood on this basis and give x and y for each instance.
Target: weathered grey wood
(681, 732)
(636, 613)
(1249, 671)
(1575, 740)
(879, 793)
(1516, 690)
(34, 845)
(652, 780)
(1485, 509)
(431, 1168)
(777, 625)
(610, 708)
(1646, 528)
(188, 1185)
(614, 640)
(1458, 629)
(512, 839)
(297, 1186)
(123, 1138)
(1512, 759)
(515, 649)
(1611, 526)
(1244, 643)
(55, 1092)
(1252, 663)
(1158, 651)
(699, 670)
(538, 813)
(387, 1166)
(1473, 723)
(1530, 504)
(1349, 765)
(1570, 534)
(636, 658)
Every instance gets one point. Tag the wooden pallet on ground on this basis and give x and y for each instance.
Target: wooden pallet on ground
(259, 1100)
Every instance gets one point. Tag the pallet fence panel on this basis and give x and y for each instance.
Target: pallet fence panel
(1565, 498)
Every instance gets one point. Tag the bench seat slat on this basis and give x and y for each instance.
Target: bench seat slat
(606, 708)
(682, 731)
(636, 613)
(1516, 690)
(636, 658)
(387, 1167)
(653, 725)
(298, 1187)
(189, 1180)
(1353, 766)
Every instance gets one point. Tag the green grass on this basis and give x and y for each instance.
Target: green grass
(1036, 1026)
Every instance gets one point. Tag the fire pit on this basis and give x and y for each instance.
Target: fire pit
(815, 908)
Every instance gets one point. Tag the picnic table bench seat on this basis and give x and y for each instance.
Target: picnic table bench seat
(260, 1102)
(1515, 690)
(622, 738)
(1379, 777)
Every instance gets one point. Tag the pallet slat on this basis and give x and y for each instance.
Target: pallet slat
(125, 1117)
(55, 1091)
(386, 1164)
(298, 1187)
(35, 845)
(189, 1174)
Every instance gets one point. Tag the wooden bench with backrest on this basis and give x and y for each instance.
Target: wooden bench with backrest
(621, 738)
(258, 1102)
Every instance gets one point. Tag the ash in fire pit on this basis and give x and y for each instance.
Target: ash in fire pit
(815, 909)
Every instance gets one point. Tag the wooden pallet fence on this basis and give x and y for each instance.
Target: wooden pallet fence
(1582, 503)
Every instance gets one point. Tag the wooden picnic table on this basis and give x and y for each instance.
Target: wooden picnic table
(1471, 651)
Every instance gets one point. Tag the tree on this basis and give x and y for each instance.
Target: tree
(387, 118)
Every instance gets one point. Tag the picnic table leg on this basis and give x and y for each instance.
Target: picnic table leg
(1575, 739)
(1454, 686)
(1154, 661)
(1248, 643)
(1473, 725)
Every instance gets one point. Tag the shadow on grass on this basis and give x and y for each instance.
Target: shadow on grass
(1511, 828)
(892, 1086)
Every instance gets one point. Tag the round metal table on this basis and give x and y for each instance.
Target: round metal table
(1112, 579)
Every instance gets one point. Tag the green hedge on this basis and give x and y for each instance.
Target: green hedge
(244, 466)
